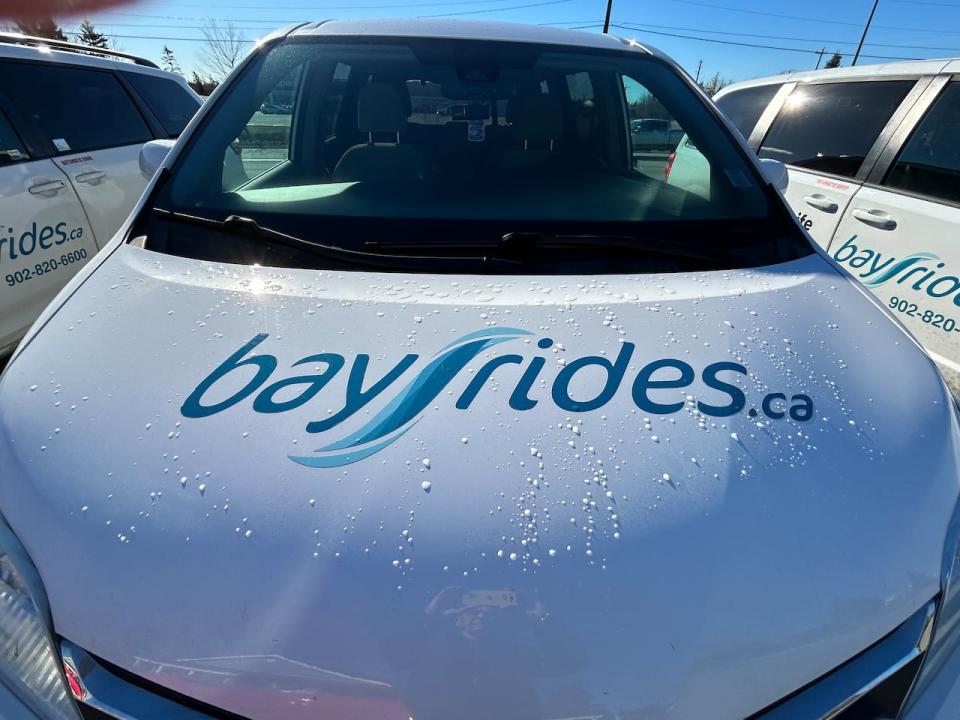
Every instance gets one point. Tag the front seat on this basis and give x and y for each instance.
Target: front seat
(380, 110)
(537, 122)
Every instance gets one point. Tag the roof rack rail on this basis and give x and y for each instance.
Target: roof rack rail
(9, 38)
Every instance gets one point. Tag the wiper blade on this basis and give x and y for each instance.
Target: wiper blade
(240, 224)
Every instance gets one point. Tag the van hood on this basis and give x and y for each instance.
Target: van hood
(300, 494)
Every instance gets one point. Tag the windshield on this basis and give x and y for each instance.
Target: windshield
(356, 142)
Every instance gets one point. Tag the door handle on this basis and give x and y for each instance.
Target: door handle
(90, 176)
(875, 218)
(42, 186)
(822, 202)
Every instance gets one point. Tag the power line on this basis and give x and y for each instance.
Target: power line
(728, 8)
(311, 8)
(745, 44)
(927, 2)
(785, 37)
(499, 9)
(580, 24)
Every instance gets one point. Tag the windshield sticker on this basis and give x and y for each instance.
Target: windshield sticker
(409, 400)
(476, 131)
(919, 271)
(61, 144)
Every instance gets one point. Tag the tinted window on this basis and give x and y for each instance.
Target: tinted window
(76, 109)
(11, 149)
(168, 100)
(432, 150)
(744, 107)
(531, 136)
(929, 164)
(830, 128)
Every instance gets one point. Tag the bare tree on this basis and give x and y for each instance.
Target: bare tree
(223, 49)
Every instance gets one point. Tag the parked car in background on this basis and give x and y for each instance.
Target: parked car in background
(472, 419)
(654, 134)
(873, 154)
(72, 122)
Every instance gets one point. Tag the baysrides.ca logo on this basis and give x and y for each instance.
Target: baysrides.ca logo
(409, 399)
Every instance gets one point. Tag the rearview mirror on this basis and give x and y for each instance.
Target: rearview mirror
(152, 155)
(776, 172)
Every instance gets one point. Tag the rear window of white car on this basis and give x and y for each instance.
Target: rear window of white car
(744, 107)
(77, 109)
(167, 99)
(929, 163)
(831, 127)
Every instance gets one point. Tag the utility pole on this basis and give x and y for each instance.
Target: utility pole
(606, 19)
(699, 65)
(865, 29)
(820, 57)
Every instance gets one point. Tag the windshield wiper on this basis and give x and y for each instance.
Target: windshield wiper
(241, 225)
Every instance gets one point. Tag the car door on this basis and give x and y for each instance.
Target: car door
(901, 234)
(94, 131)
(44, 235)
(826, 133)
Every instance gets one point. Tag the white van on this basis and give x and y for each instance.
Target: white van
(873, 154)
(72, 122)
(446, 411)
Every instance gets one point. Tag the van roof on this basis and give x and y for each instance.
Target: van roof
(26, 47)
(887, 69)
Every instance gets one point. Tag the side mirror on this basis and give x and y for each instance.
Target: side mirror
(776, 172)
(152, 155)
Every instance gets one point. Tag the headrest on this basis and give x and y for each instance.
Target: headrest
(380, 109)
(537, 117)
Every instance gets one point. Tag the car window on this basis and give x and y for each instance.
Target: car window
(744, 107)
(264, 141)
(423, 142)
(11, 149)
(76, 109)
(422, 134)
(831, 127)
(654, 134)
(929, 164)
(167, 99)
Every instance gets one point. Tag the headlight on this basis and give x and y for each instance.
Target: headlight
(942, 657)
(29, 662)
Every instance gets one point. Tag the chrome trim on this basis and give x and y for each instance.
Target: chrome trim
(117, 698)
(830, 695)
(908, 123)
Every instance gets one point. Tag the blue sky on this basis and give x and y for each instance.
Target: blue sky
(901, 28)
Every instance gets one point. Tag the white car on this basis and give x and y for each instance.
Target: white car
(72, 122)
(471, 419)
(874, 162)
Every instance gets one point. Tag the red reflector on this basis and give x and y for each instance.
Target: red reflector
(669, 165)
(73, 680)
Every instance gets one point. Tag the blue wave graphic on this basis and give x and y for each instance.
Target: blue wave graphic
(403, 412)
(899, 267)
